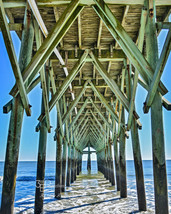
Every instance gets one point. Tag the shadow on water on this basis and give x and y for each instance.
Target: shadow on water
(83, 205)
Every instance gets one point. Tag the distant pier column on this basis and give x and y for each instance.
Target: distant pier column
(112, 176)
(116, 156)
(78, 163)
(158, 144)
(58, 173)
(64, 156)
(122, 140)
(16, 119)
(39, 195)
(75, 163)
(138, 166)
(68, 181)
(89, 159)
(72, 163)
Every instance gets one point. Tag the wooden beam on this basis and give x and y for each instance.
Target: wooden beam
(136, 74)
(56, 13)
(52, 3)
(15, 27)
(99, 33)
(57, 103)
(117, 55)
(126, 43)
(100, 114)
(66, 83)
(104, 132)
(13, 59)
(103, 100)
(78, 114)
(80, 122)
(123, 19)
(74, 103)
(112, 84)
(158, 72)
(43, 79)
(79, 31)
(108, 70)
(46, 49)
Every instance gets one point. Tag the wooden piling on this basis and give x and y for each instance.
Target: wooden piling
(158, 147)
(58, 174)
(116, 156)
(72, 163)
(64, 155)
(112, 176)
(122, 140)
(39, 195)
(16, 119)
(68, 181)
(89, 159)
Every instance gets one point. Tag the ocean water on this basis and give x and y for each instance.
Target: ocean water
(26, 178)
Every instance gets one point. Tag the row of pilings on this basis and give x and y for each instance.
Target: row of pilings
(66, 144)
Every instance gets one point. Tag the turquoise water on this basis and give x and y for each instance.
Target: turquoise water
(26, 177)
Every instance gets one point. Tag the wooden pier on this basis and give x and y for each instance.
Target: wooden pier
(89, 57)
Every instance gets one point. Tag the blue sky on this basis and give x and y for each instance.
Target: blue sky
(30, 138)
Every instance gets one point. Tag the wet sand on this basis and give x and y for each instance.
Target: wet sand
(90, 193)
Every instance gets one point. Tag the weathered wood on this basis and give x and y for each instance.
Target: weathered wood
(117, 55)
(79, 31)
(41, 159)
(138, 167)
(89, 159)
(58, 173)
(158, 72)
(116, 156)
(13, 59)
(74, 103)
(51, 3)
(16, 118)
(136, 74)
(46, 49)
(159, 163)
(103, 100)
(122, 161)
(68, 181)
(124, 41)
(38, 38)
(112, 84)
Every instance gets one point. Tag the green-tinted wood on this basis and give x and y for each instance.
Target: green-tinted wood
(159, 163)
(16, 118)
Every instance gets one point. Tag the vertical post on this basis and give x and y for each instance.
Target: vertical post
(39, 195)
(111, 165)
(16, 119)
(78, 163)
(75, 163)
(122, 140)
(159, 162)
(69, 166)
(72, 163)
(138, 166)
(89, 158)
(58, 174)
(64, 155)
(116, 156)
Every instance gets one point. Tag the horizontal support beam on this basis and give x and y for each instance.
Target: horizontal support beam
(126, 43)
(53, 3)
(13, 59)
(105, 55)
(53, 39)
(15, 27)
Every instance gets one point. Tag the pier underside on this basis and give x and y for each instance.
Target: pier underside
(89, 57)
